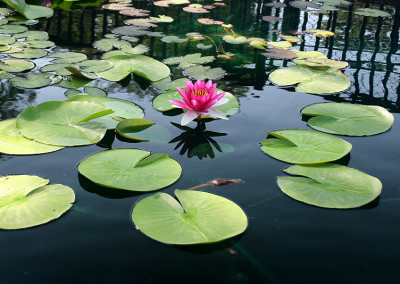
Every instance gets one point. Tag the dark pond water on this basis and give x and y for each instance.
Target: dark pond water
(286, 241)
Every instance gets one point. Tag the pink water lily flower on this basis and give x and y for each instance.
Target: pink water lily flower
(198, 99)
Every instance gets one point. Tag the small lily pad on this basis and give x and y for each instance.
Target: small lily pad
(189, 60)
(299, 146)
(12, 29)
(16, 65)
(369, 12)
(30, 53)
(40, 43)
(280, 53)
(33, 81)
(143, 130)
(122, 109)
(4, 40)
(320, 33)
(234, 40)
(196, 218)
(95, 65)
(106, 44)
(63, 123)
(204, 72)
(322, 62)
(204, 46)
(80, 73)
(279, 44)
(58, 68)
(348, 119)
(131, 169)
(28, 201)
(67, 57)
(167, 84)
(141, 22)
(29, 11)
(162, 19)
(173, 39)
(330, 186)
(33, 35)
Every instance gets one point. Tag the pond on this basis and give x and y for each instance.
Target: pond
(286, 241)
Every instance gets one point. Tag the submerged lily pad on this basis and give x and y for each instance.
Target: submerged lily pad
(13, 143)
(143, 130)
(63, 123)
(16, 65)
(141, 65)
(162, 103)
(122, 109)
(131, 169)
(196, 218)
(28, 201)
(311, 80)
(299, 146)
(204, 72)
(330, 186)
(348, 119)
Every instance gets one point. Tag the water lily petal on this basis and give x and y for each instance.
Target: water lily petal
(179, 104)
(221, 102)
(189, 116)
(216, 113)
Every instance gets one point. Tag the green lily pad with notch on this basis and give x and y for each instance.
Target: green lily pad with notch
(67, 57)
(63, 123)
(4, 48)
(234, 40)
(35, 80)
(299, 146)
(173, 39)
(348, 119)
(204, 72)
(95, 65)
(74, 82)
(334, 2)
(311, 80)
(95, 91)
(162, 103)
(330, 186)
(28, 201)
(80, 73)
(321, 62)
(122, 109)
(279, 44)
(29, 11)
(12, 29)
(195, 218)
(138, 49)
(143, 130)
(30, 53)
(16, 65)
(189, 60)
(5, 40)
(167, 84)
(106, 44)
(144, 66)
(203, 46)
(33, 35)
(131, 169)
(58, 68)
(40, 43)
(13, 143)
(369, 12)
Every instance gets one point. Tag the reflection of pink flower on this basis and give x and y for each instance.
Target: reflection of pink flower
(198, 98)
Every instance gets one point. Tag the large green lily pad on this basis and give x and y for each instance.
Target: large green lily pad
(311, 80)
(35, 80)
(143, 130)
(141, 65)
(33, 35)
(28, 201)
(348, 119)
(196, 218)
(63, 123)
(162, 103)
(29, 11)
(299, 146)
(16, 65)
(12, 29)
(131, 169)
(330, 186)
(13, 143)
(122, 109)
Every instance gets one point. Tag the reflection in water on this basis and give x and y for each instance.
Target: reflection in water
(197, 142)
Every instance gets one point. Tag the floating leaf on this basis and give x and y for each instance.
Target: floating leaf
(28, 201)
(234, 40)
(134, 12)
(29, 11)
(271, 19)
(63, 123)
(129, 38)
(189, 60)
(348, 119)
(74, 82)
(304, 4)
(204, 72)
(290, 39)
(122, 109)
(143, 130)
(335, 2)
(276, 5)
(21, 20)
(13, 143)
(167, 84)
(6, 40)
(95, 91)
(33, 35)
(140, 22)
(5, 11)
(67, 57)
(12, 29)
(162, 19)
(162, 103)
(138, 49)
(106, 44)
(320, 33)
(208, 21)
(299, 146)
(130, 31)
(40, 43)
(322, 62)
(309, 54)
(227, 56)
(173, 39)
(131, 169)
(280, 53)
(141, 65)
(369, 12)
(34, 80)
(16, 65)
(257, 42)
(58, 68)
(195, 10)
(330, 186)
(195, 36)
(204, 46)
(116, 6)
(313, 81)
(80, 73)
(200, 217)
(280, 44)
(95, 65)
(30, 53)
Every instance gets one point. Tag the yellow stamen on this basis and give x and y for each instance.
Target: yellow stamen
(200, 93)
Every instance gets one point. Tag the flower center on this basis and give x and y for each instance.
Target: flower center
(200, 93)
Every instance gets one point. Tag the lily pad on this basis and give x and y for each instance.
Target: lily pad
(28, 201)
(130, 31)
(143, 130)
(234, 40)
(12, 29)
(189, 60)
(280, 53)
(330, 186)
(279, 44)
(173, 39)
(320, 33)
(304, 4)
(138, 49)
(348, 119)
(196, 218)
(141, 65)
(204, 72)
(80, 73)
(299, 146)
(34, 80)
(141, 22)
(122, 109)
(30, 53)
(33, 35)
(29, 11)
(6, 40)
(16, 65)
(58, 68)
(369, 12)
(40, 43)
(204, 46)
(13, 143)
(106, 44)
(162, 103)
(167, 84)
(322, 62)
(63, 123)
(311, 80)
(162, 19)
(67, 57)
(131, 169)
